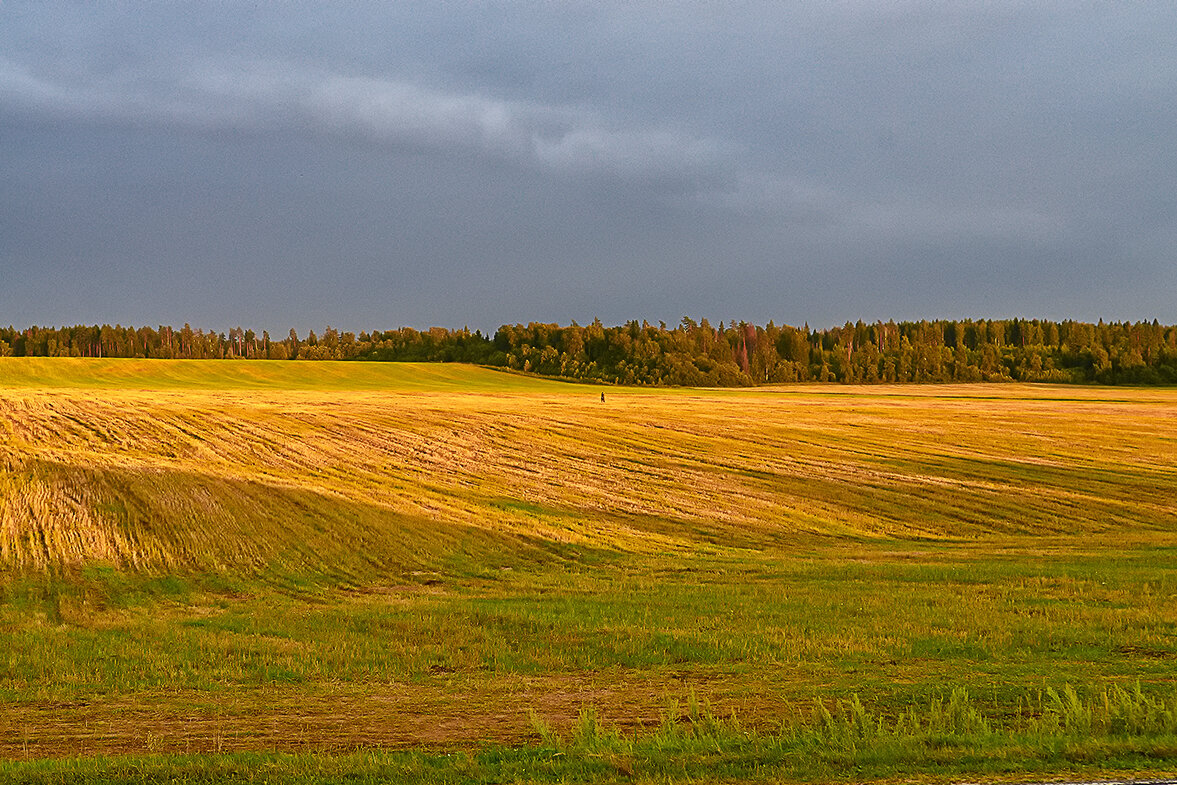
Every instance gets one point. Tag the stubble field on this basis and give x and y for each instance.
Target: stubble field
(444, 573)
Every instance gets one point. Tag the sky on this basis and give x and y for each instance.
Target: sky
(377, 165)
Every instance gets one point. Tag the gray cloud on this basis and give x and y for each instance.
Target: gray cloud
(446, 163)
(261, 96)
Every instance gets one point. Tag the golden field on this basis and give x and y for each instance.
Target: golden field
(158, 475)
(211, 556)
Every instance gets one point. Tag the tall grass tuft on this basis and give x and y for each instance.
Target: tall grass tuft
(1114, 712)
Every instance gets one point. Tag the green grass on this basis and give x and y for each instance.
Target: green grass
(1061, 733)
(129, 374)
(310, 572)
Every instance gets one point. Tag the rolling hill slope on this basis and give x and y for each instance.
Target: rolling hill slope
(299, 561)
(349, 471)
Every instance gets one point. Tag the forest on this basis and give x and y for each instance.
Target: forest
(690, 353)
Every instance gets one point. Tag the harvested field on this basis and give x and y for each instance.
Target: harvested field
(207, 557)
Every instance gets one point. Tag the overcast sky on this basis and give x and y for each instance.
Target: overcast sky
(372, 165)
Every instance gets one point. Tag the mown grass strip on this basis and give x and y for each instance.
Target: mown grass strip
(1062, 734)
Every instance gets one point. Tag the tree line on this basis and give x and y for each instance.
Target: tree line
(690, 353)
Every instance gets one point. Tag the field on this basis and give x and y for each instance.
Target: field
(309, 571)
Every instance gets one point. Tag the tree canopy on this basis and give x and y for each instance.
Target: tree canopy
(690, 353)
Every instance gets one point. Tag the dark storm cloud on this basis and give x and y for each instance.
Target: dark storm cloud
(271, 96)
(452, 163)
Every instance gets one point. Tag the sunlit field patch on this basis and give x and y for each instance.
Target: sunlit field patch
(235, 557)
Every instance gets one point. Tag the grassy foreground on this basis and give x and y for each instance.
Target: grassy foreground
(301, 572)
